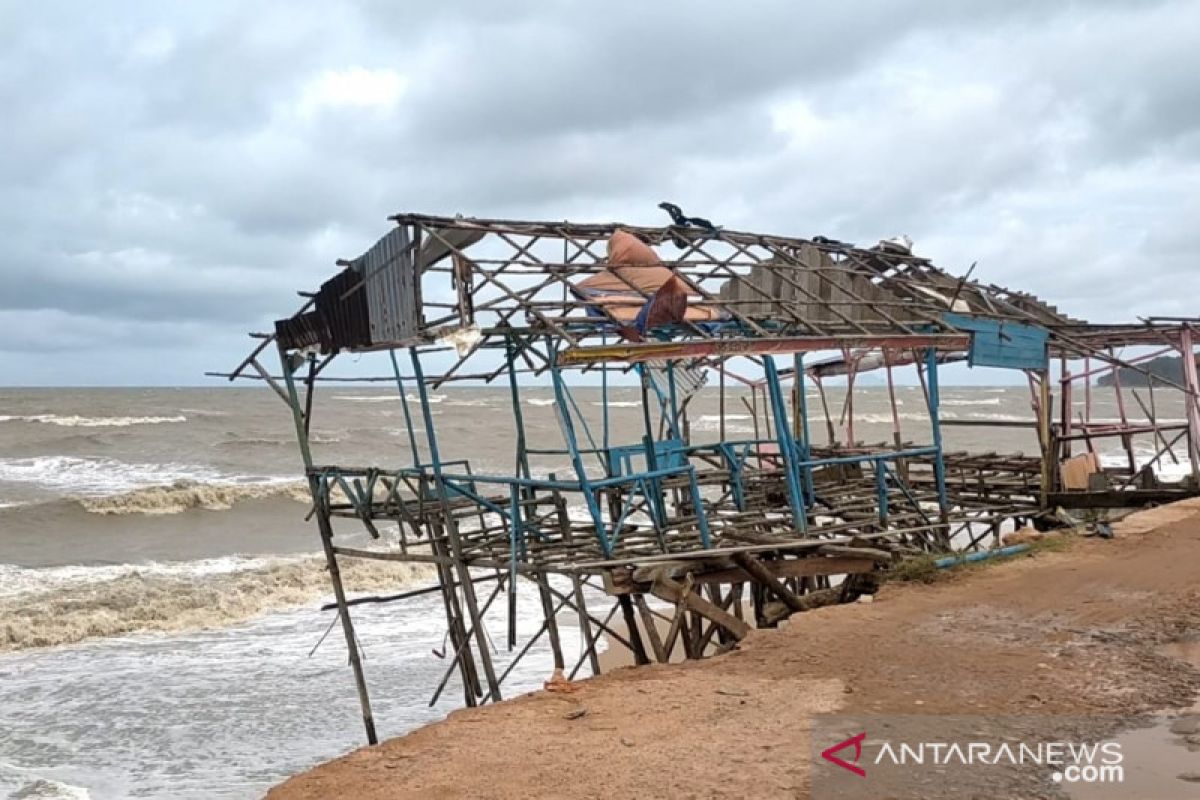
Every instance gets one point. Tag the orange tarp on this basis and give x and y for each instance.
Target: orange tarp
(634, 268)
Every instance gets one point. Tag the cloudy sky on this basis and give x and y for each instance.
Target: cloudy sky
(171, 172)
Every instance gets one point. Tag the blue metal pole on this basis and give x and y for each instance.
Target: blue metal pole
(460, 565)
(564, 414)
(980, 555)
(674, 400)
(701, 515)
(881, 491)
(412, 436)
(787, 446)
(939, 465)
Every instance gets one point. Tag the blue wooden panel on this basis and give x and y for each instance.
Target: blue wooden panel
(631, 459)
(1008, 345)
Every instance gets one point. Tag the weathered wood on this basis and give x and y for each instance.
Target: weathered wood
(635, 638)
(585, 625)
(672, 591)
(879, 556)
(651, 628)
(782, 568)
(775, 612)
(678, 620)
(768, 581)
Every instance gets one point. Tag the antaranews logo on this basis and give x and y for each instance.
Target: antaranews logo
(1075, 762)
(903, 755)
(856, 743)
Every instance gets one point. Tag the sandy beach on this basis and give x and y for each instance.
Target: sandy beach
(1102, 627)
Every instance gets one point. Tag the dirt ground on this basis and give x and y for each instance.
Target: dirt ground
(1075, 632)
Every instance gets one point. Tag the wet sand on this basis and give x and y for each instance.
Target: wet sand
(1099, 629)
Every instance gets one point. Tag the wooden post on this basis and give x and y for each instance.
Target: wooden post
(321, 504)
(585, 624)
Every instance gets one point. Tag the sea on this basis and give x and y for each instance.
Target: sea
(161, 629)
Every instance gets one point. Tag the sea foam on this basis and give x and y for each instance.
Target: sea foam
(69, 604)
(74, 421)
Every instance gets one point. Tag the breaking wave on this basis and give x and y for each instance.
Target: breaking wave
(886, 419)
(203, 412)
(539, 401)
(30, 787)
(67, 605)
(108, 486)
(985, 401)
(712, 422)
(73, 421)
(486, 402)
(183, 495)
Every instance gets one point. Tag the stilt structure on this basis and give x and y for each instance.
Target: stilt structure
(672, 534)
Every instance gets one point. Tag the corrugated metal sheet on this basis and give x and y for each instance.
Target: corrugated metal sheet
(689, 377)
(338, 321)
(393, 287)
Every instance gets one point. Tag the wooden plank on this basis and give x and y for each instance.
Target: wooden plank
(672, 591)
(881, 556)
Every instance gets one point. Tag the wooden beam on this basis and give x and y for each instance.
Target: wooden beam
(765, 578)
(789, 568)
(643, 351)
(651, 627)
(672, 591)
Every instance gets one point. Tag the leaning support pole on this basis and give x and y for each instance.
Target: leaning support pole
(464, 573)
(321, 503)
(787, 447)
(585, 624)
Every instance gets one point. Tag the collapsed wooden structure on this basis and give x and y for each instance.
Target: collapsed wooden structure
(688, 544)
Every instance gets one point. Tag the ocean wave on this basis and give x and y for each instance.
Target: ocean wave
(983, 401)
(238, 440)
(539, 401)
(616, 403)
(886, 419)
(989, 417)
(203, 412)
(476, 403)
(96, 477)
(73, 421)
(170, 598)
(30, 787)
(183, 495)
(712, 422)
(386, 398)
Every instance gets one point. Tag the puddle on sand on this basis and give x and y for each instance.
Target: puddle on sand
(1155, 756)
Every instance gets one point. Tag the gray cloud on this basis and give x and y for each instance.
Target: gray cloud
(170, 174)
